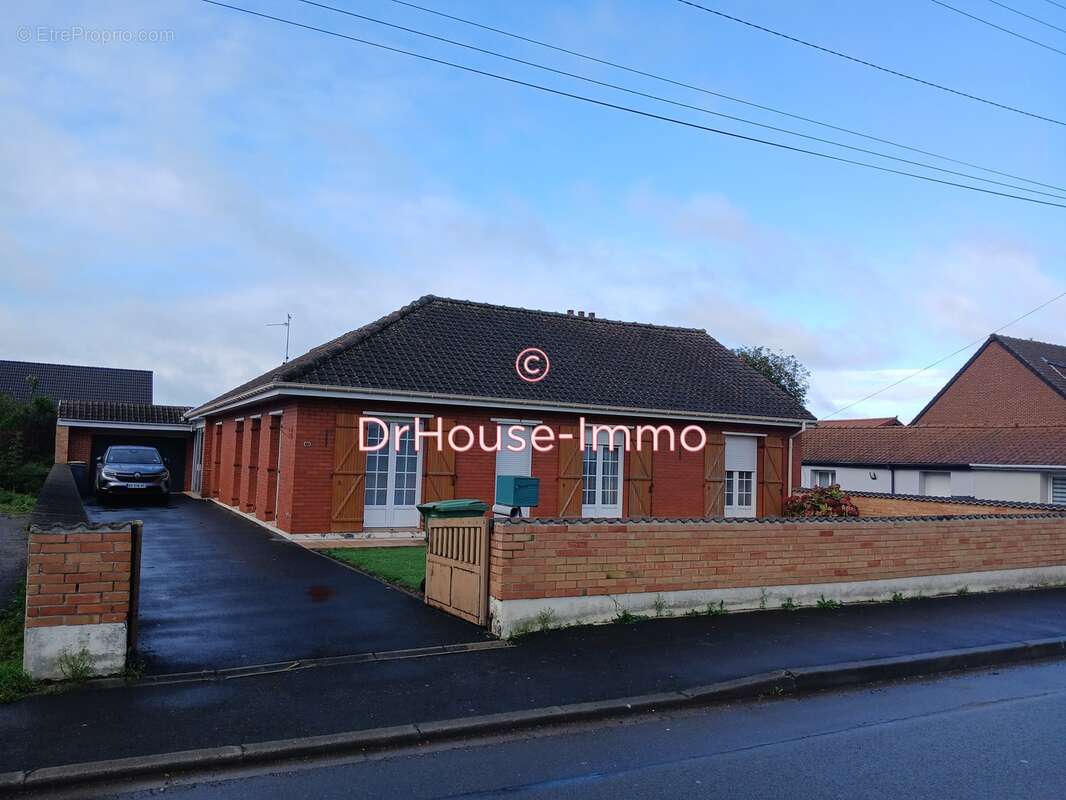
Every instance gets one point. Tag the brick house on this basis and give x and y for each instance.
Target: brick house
(284, 445)
(996, 431)
(1006, 382)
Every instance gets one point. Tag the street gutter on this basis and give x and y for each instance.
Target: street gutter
(777, 683)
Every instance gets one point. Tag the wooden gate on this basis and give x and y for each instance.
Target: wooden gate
(457, 567)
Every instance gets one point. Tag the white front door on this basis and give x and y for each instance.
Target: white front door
(601, 494)
(393, 479)
(197, 460)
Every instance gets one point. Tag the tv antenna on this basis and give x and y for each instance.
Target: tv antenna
(287, 325)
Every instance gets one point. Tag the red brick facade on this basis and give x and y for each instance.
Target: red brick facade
(533, 561)
(306, 429)
(78, 577)
(996, 389)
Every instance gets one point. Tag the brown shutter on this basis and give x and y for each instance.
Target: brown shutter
(772, 469)
(349, 471)
(570, 472)
(714, 475)
(640, 480)
(439, 482)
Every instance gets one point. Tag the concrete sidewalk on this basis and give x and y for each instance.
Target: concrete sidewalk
(570, 666)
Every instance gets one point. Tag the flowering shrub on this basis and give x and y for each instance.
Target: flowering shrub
(823, 501)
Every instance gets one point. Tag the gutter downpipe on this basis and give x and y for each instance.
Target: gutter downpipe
(803, 427)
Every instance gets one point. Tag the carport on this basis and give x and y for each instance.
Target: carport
(86, 428)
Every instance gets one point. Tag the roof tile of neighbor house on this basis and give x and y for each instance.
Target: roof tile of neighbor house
(459, 348)
(101, 411)
(936, 445)
(869, 422)
(73, 382)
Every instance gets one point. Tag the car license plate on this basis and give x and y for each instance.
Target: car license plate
(136, 485)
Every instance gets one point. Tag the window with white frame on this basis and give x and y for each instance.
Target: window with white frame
(1058, 489)
(823, 477)
(601, 490)
(741, 455)
(511, 462)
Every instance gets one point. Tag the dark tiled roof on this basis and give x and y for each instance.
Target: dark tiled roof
(1046, 360)
(936, 445)
(71, 382)
(460, 348)
(869, 422)
(144, 413)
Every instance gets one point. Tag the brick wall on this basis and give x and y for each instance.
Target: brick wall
(909, 506)
(78, 577)
(997, 389)
(571, 560)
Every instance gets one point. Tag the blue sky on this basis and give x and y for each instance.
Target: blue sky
(164, 200)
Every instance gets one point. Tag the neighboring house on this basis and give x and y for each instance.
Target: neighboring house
(284, 445)
(989, 463)
(869, 422)
(72, 382)
(1007, 382)
(86, 428)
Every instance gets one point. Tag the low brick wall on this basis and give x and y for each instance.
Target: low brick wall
(78, 597)
(886, 505)
(570, 571)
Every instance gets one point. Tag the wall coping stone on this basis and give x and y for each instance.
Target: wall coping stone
(1057, 512)
(959, 499)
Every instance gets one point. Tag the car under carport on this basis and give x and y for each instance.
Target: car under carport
(86, 428)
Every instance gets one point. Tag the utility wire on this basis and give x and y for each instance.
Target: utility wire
(628, 109)
(1060, 5)
(712, 93)
(872, 65)
(1028, 16)
(983, 21)
(939, 361)
(677, 103)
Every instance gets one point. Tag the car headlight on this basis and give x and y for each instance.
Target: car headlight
(166, 475)
(107, 473)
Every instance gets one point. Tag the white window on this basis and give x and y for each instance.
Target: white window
(741, 455)
(1058, 489)
(601, 491)
(824, 477)
(393, 478)
(509, 462)
(934, 484)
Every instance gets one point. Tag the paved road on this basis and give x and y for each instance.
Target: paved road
(12, 554)
(995, 735)
(220, 591)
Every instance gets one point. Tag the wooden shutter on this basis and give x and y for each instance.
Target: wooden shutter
(570, 472)
(714, 475)
(349, 472)
(771, 479)
(640, 477)
(439, 481)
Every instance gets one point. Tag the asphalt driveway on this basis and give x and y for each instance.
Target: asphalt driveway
(220, 591)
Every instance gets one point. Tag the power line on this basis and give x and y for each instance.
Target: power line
(1015, 34)
(939, 361)
(677, 103)
(872, 65)
(1028, 16)
(712, 93)
(630, 110)
(1060, 5)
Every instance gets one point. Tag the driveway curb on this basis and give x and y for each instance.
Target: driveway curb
(779, 682)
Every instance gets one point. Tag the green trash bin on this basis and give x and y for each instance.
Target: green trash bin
(453, 508)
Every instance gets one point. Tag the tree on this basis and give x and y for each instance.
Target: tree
(785, 370)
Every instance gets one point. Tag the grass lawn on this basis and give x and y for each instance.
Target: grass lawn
(404, 566)
(16, 502)
(14, 683)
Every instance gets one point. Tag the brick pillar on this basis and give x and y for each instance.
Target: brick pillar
(78, 602)
(267, 484)
(62, 443)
